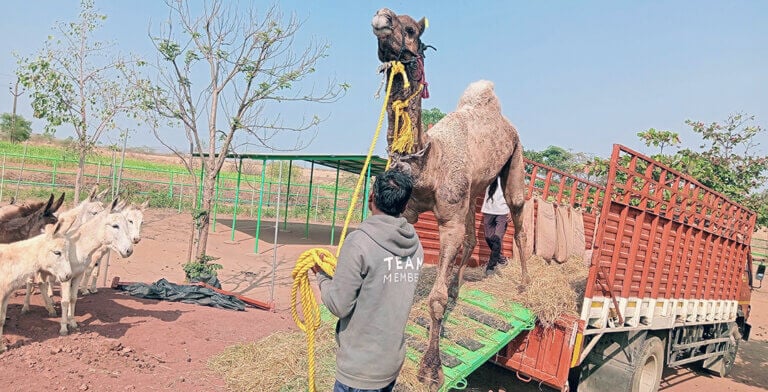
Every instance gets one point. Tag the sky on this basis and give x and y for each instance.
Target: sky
(579, 75)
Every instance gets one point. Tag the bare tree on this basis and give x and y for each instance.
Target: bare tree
(224, 73)
(76, 80)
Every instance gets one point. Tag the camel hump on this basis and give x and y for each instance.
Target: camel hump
(479, 95)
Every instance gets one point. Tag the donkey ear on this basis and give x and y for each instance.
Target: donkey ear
(113, 206)
(49, 204)
(103, 194)
(13, 201)
(143, 206)
(92, 195)
(58, 204)
(52, 229)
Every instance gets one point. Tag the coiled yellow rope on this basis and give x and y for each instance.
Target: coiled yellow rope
(403, 139)
(310, 310)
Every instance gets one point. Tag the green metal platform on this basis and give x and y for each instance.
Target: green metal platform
(486, 330)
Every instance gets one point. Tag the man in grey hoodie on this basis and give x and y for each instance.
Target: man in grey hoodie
(372, 290)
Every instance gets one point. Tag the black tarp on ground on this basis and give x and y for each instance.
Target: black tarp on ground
(167, 291)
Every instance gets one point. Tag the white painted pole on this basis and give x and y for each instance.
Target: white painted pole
(274, 243)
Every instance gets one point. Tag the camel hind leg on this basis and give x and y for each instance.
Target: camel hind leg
(430, 368)
(514, 193)
(470, 241)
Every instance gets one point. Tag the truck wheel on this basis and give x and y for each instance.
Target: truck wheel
(646, 373)
(729, 355)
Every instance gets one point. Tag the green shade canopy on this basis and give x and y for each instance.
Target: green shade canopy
(349, 163)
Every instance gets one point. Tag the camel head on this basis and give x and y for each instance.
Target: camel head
(117, 230)
(53, 255)
(399, 36)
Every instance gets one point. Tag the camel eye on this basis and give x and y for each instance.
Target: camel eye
(57, 252)
(410, 30)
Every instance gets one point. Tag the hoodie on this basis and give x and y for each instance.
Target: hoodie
(371, 293)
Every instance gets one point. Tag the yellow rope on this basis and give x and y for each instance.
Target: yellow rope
(403, 139)
(310, 310)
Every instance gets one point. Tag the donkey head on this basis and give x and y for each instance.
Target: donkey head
(46, 215)
(53, 255)
(135, 217)
(117, 234)
(399, 36)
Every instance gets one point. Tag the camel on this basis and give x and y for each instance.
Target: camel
(462, 155)
(22, 221)
(109, 228)
(20, 260)
(135, 217)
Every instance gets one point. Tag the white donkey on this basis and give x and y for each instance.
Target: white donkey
(135, 217)
(109, 228)
(20, 260)
(75, 216)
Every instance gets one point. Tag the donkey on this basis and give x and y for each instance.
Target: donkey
(75, 216)
(19, 222)
(135, 217)
(109, 228)
(18, 261)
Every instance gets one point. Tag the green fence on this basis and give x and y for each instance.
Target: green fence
(26, 176)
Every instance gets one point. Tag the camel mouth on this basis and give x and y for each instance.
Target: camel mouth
(382, 32)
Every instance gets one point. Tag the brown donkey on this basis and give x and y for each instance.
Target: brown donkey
(21, 221)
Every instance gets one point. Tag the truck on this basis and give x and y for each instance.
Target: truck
(670, 276)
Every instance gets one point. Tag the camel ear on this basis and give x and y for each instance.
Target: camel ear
(423, 24)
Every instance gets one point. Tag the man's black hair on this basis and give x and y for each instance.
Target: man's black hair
(391, 191)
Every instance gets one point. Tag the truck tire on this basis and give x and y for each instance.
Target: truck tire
(646, 372)
(724, 365)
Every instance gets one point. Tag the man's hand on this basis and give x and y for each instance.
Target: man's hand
(316, 268)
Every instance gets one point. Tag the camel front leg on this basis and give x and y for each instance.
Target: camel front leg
(3, 308)
(430, 368)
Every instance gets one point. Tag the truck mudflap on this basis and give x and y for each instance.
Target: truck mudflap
(545, 354)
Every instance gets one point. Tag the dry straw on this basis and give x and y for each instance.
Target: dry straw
(279, 361)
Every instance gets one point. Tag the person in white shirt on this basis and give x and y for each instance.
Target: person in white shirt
(495, 217)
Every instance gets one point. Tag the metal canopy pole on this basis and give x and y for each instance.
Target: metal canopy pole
(274, 243)
(287, 194)
(367, 188)
(335, 199)
(237, 199)
(309, 199)
(261, 202)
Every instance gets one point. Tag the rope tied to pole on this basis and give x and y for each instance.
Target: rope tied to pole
(301, 290)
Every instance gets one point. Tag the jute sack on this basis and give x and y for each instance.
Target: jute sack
(546, 233)
(578, 242)
(564, 233)
(528, 225)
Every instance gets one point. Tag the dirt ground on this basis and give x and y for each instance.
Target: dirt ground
(125, 343)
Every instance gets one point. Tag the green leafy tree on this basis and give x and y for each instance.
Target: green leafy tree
(226, 72)
(15, 128)
(77, 80)
(727, 161)
(431, 116)
(660, 139)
